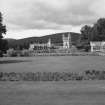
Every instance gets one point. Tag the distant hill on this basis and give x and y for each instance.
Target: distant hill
(10, 39)
(55, 38)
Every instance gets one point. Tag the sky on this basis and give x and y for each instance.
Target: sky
(28, 18)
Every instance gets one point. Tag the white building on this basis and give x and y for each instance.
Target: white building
(40, 46)
(97, 46)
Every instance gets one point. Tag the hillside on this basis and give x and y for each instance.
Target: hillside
(55, 38)
(10, 39)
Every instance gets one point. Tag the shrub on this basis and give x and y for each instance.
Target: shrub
(25, 53)
(11, 53)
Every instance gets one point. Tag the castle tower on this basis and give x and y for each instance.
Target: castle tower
(66, 41)
(49, 43)
(69, 38)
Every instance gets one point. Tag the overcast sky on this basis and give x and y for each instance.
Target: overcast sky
(26, 18)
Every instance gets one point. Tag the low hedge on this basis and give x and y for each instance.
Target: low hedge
(53, 76)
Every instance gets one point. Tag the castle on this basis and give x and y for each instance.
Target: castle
(66, 39)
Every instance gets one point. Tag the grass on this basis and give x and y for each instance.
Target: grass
(52, 93)
(12, 61)
(52, 64)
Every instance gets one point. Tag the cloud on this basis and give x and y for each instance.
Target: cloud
(98, 8)
(50, 14)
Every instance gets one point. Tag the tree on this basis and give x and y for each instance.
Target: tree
(99, 30)
(86, 37)
(4, 45)
(2, 31)
(85, 32)
(95, 33)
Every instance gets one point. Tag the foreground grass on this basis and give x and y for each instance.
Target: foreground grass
(52, 93)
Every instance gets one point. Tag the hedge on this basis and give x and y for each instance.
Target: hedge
(53, 76)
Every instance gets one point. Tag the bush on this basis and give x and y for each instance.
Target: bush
(1, 54)
(14, 53)
(25, 53)
(11, 53)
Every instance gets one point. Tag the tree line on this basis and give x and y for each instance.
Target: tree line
(96, 32)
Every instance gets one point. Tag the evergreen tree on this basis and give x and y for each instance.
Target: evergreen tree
(2, 31)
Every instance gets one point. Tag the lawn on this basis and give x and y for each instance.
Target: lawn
(52, 64)
(52, 93)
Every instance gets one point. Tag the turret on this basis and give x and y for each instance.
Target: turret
(66, 41)
(49, 43)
